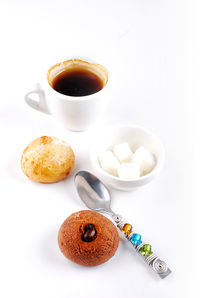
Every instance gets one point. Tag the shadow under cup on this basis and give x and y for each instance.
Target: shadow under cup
(77, 77)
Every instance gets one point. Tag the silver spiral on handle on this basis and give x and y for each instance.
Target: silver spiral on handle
(159, 266)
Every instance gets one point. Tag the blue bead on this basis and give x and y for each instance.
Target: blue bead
(136, 239)
(138, 243)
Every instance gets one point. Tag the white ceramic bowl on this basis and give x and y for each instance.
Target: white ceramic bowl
(135, 136)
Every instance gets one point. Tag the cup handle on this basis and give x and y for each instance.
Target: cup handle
(40, 104)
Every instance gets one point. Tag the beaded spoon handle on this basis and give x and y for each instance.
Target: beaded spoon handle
(159, 266)
(97, 197)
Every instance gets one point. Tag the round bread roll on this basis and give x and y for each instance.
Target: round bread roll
(88, 238)
(47, 160)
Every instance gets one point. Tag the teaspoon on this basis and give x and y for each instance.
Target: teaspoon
(96, 197)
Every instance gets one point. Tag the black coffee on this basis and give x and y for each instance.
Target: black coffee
(77, 82)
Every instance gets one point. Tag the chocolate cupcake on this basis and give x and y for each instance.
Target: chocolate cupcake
(88, 238)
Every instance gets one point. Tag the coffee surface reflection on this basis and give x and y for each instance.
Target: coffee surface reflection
(77, 82)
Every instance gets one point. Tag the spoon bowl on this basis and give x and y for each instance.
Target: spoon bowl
(93, 192)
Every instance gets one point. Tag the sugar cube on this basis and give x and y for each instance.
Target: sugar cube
(145, 159)
(129, 170)
(109, 162)
(123, 152)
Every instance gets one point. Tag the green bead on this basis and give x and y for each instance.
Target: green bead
(146, 250)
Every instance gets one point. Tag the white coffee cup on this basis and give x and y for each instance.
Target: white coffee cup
(74, 112)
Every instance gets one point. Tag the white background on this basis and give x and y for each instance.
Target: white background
(151, 48)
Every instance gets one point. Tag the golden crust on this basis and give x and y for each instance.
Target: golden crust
(47, 160)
